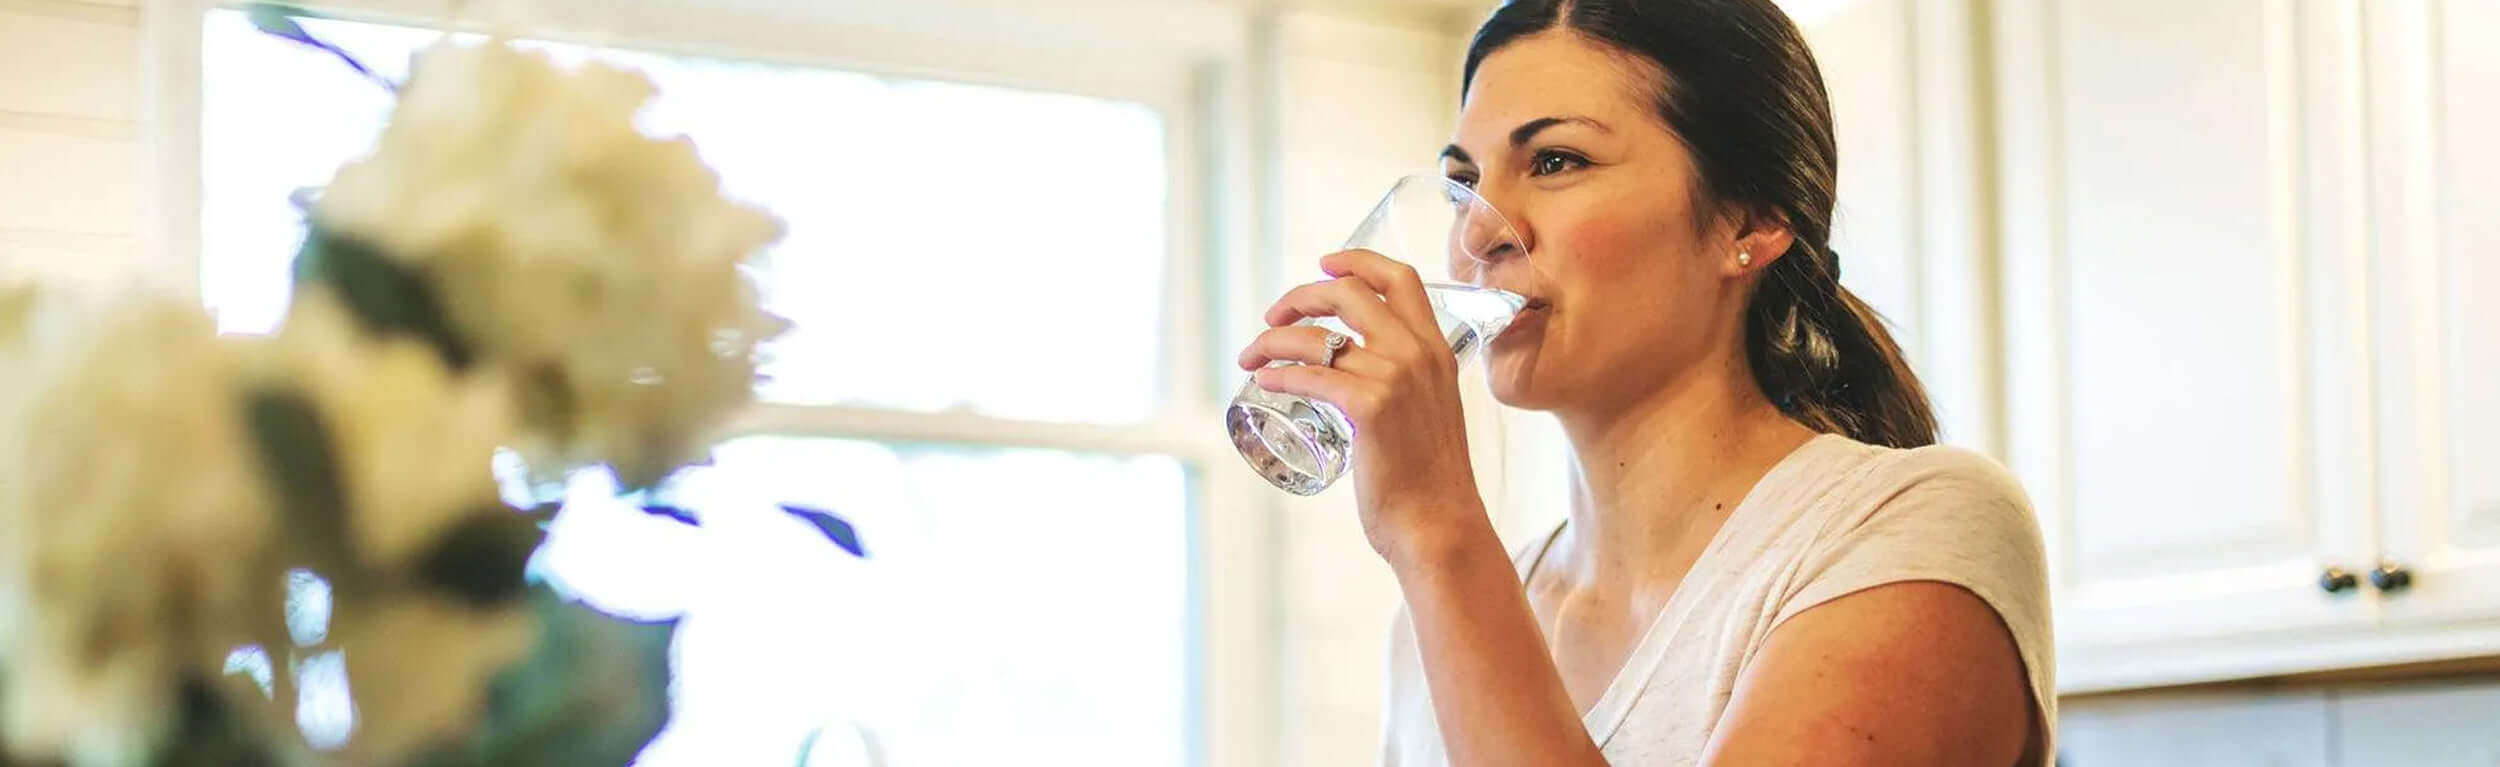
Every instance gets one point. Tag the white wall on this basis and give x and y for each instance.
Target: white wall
(69, 141)
(1912, 221)
(1360, 101)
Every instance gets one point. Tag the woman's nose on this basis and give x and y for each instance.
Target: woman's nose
(1499, 208)
(1487, 247)
(1485, 237)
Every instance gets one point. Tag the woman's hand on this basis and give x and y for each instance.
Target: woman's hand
(1421, 511)
(1412, 479)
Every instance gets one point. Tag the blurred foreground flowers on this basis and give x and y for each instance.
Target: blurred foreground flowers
(598, 264)
(291, 550)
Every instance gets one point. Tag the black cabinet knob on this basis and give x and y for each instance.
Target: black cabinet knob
(2389, 576)
(2337, 580)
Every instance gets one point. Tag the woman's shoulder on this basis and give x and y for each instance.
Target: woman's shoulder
(1935, 513)
(1872, 476)
(1939, 489)
(1953, 469)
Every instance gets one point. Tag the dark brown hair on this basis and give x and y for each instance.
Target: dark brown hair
(1740, 89)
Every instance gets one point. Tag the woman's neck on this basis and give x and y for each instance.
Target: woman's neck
(1657, 477)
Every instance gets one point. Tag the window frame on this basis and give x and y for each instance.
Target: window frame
(1197, 78)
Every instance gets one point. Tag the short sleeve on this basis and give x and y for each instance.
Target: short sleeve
(1946, 515)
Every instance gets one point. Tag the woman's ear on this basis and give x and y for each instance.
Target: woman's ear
(1760, 239)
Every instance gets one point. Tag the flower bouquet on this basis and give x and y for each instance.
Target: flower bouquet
(291, 549)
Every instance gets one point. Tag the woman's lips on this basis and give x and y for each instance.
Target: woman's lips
(1532, 315)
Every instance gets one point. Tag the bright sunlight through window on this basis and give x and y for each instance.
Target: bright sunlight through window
(1019, 605)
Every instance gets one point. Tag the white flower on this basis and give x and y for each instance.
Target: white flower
(140, 544)
(416, 670)
(385, 673)
(131, 519)
(414, 442)
(595, 263)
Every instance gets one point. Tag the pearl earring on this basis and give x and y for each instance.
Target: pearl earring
(1744, 258)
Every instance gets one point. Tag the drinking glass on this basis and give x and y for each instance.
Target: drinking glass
(1477, 275)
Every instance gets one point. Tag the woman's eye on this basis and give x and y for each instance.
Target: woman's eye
(1463, 179)
(1550, 162)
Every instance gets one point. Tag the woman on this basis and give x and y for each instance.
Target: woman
(1765, 561)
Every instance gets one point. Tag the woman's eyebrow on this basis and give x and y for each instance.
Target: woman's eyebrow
(1526, 132)
(1520, 136)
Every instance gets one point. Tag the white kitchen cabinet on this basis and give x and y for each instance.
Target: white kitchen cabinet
(2250, 266)
(2275, 730)
(2187, 327)
(1909, 223)
(2435, 189)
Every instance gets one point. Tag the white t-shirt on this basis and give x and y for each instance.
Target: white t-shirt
(1833, 518)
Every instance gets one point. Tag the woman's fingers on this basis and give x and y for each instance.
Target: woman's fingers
(1357, 398)
(1396, 282)
(1346, 298)
(1306, 344)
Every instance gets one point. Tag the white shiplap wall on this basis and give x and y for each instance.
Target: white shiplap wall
(1359, 102)
(69, 149)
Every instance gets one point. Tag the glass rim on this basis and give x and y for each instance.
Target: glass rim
(1405, 227)
(1463, 192)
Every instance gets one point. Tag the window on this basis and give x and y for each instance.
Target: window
(1028, 598)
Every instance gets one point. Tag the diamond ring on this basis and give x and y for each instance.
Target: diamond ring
(1336, 343)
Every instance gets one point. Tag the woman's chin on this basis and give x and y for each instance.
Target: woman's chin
(1510, 372)
(1515, 392)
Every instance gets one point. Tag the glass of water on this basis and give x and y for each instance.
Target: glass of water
(1476, 272)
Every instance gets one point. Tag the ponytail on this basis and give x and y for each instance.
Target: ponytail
(1824, 357)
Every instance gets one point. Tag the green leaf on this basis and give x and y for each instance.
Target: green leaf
(840, 532)
(278, 20)
(673, 513)
(5, 759)
(296, 455)
(483, 560)
(210, 733)
(592, 694)
(385, 295)
(807, 748)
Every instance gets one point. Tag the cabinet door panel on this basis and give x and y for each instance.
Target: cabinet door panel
(2185, 319)
(2437, 280)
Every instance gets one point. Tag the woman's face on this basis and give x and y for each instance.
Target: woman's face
(1633, 288)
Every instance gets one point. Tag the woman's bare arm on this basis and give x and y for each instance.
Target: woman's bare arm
(1915, 673)
(1918, 673)
(1495, 692)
